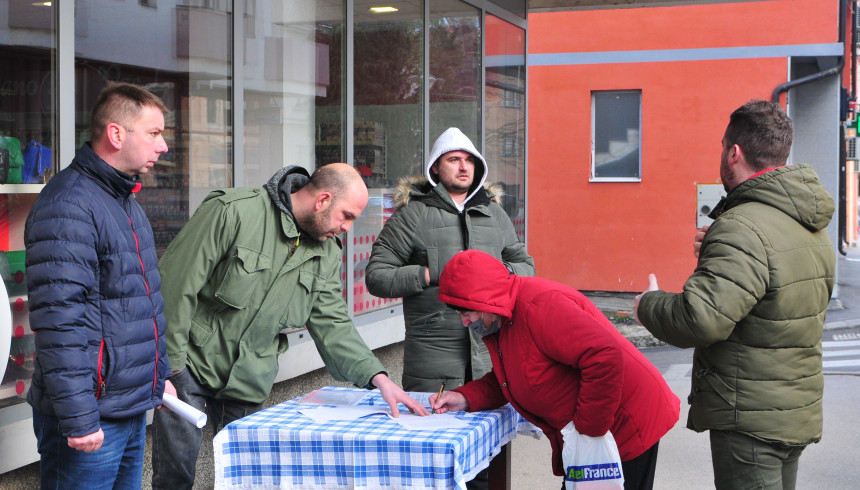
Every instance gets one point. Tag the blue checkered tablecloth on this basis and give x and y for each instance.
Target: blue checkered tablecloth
(281, 448)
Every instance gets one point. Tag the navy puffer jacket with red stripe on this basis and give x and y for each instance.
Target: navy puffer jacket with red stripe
(95, 301)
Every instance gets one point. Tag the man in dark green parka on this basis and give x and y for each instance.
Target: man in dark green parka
(447, 211)
(755, 306)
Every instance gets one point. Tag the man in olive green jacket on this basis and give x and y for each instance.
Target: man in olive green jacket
(755, 307)
(249, 263)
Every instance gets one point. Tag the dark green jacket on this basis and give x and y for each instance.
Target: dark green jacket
(426, 231)
(232, 281)
(754, 310)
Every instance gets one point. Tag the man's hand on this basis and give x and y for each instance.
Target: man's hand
(652, 286)
(170, 390)
(449, 401)
(697, 241)
(427, 275)
(88, 443)
(393, 395)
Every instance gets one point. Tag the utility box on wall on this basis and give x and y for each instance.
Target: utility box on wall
(708, 195)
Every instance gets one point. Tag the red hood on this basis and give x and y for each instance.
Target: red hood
(480, 282)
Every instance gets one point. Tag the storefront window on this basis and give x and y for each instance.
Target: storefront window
(455, 69)
(506, 114)
(182, 52)
(293, 86)
(27, 141)
(388, 127)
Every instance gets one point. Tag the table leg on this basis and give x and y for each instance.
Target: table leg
(500, 469)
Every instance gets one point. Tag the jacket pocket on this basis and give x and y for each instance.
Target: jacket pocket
(102, 369)
(302, 299)
(200, 334)
(708, 380)
(243, 274)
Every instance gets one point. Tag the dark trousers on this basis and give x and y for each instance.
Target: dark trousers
(741, 461)
(639, 471)
(176, 442)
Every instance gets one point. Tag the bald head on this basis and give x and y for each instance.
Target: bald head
(337, 178)
(333, 198)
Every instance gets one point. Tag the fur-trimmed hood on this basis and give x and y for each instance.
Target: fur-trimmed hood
(415, 185)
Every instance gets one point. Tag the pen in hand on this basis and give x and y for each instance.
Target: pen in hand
(438, 396)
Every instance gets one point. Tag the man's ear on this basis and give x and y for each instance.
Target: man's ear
(434, 169)
(115, 135)
(323, 201)
(736, 154)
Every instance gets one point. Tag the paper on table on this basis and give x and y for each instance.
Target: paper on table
(327, 397)
(327, 414)
(184, 410)
(406, 419)
(429, 422)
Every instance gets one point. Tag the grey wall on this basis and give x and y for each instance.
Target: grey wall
(814, 109)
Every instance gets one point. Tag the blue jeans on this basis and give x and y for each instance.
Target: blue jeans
(176, 442)
(118, 464)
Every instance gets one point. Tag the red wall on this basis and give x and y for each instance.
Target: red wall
(609, 235)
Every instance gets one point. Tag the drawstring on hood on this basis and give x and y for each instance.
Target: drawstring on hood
(286, 181)
(454, 140)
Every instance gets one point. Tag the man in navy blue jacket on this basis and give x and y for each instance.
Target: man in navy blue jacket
(95, 301)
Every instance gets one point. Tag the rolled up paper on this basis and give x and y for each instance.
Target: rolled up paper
(184, 410)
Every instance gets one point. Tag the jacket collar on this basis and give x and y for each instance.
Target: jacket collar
(117, 184)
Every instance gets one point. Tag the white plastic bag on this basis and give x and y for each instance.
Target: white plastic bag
(590, 463)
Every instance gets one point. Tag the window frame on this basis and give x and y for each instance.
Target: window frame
(592, 174)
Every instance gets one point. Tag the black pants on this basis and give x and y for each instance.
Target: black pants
(639, 471)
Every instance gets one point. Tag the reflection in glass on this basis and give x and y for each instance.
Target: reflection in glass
(388, 92)
(293, 86)
(182, 52)
(455, 69)
(388, 127)
(506, 114)
(28, 141)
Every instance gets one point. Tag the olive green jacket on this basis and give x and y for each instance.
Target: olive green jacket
(754, 310)
(233, 279)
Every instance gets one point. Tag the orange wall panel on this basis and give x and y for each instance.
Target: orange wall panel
(611, 235)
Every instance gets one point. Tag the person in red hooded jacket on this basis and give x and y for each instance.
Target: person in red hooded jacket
(556, 359)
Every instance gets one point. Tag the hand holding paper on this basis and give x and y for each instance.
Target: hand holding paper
(184, 410)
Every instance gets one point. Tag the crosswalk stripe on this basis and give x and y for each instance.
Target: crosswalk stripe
(841, 343)
(841, 353)
(842, 363)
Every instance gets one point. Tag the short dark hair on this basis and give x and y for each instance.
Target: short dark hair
(763, 131)
(121, 103)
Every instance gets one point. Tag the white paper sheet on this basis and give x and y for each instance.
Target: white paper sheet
(327, 397)
(406, 419)
(184, 410)
(434, 421)
(327, 414)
